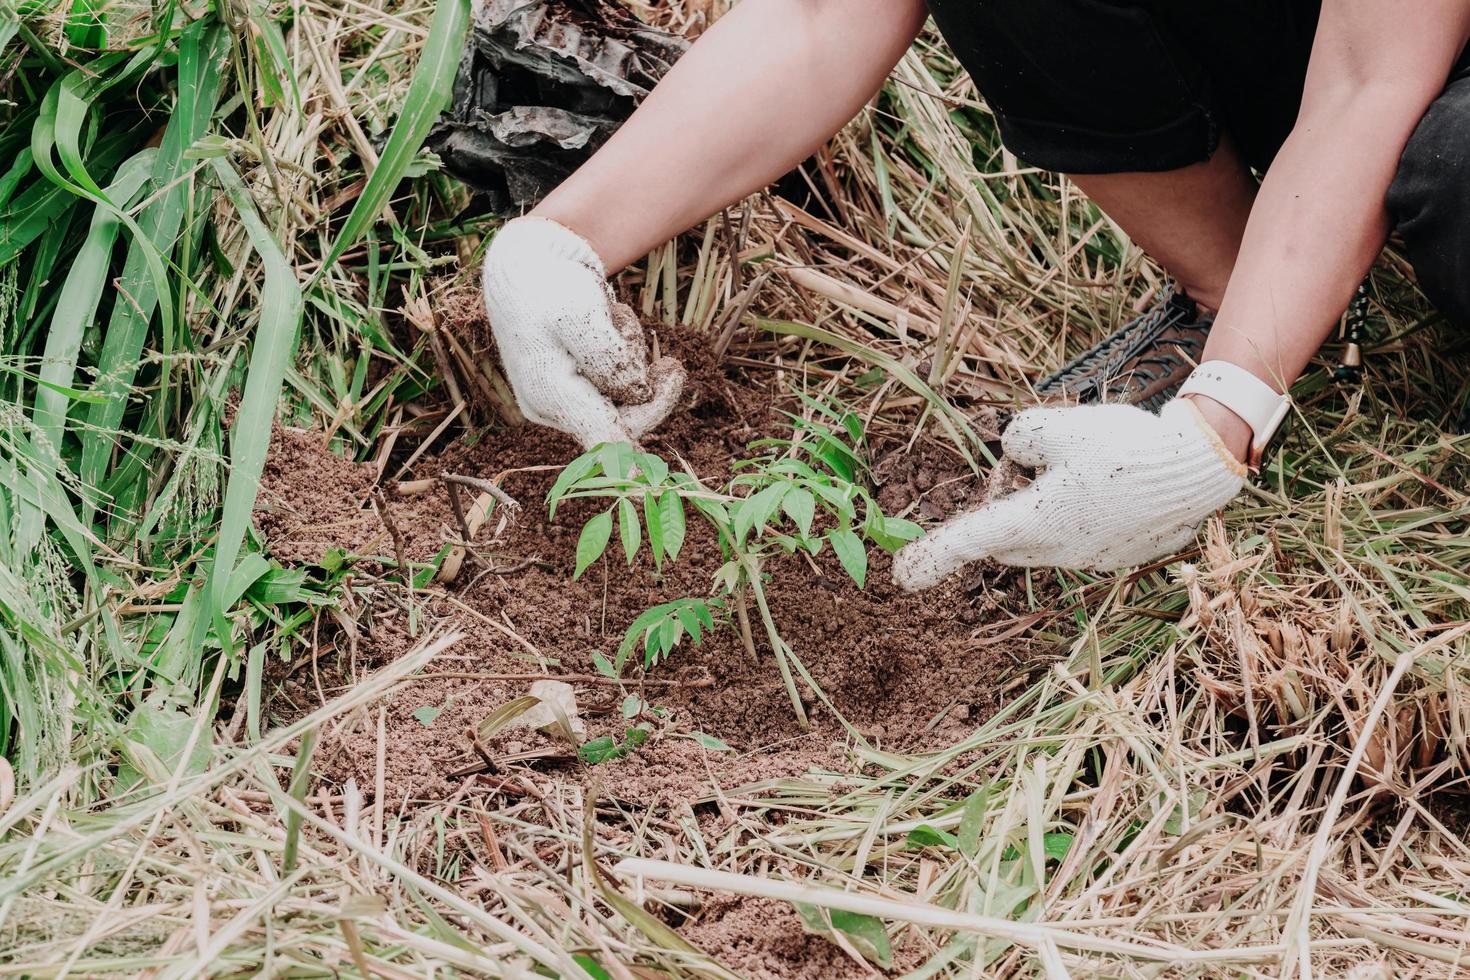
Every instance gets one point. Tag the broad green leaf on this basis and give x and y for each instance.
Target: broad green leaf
(891, 533)
(837, 457)
(594, 971)
(1054, 844)
(851, 553)
(927, 836)
(691, 622)
(801, 507)
(593, 541)
(599, 750)
(616, 459)
(757, 509)
(655, 470)
(897, 527)
(867, 934)
(671, 522)
(654, 521)
(574, 472)
(669, 635)
(972, 820)
(710, 742)
(628, 528)
(603, 665)
(426, 715)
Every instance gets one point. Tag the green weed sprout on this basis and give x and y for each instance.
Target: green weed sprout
(802, 493)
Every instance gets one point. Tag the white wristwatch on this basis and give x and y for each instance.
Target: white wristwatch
(1262, 407)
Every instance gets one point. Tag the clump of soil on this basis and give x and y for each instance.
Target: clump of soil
(762, 939)
(932, 479)
(908, 673)
(312, 500)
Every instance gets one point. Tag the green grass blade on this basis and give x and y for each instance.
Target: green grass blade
(428, 94)
(200, 54)
(274, 347)
(75, 310)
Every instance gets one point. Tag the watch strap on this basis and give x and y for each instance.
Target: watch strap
(1262, 407)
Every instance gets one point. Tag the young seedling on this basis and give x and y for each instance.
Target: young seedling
(803, 493)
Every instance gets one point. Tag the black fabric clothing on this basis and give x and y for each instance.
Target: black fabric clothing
(1124, 86)
(1429, 201)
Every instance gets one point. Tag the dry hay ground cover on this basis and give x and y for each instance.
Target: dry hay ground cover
(292, 759)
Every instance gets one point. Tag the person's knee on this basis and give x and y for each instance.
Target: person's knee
(1429, 202)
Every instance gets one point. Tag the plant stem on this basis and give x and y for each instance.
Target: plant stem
(752, 572)
(743, 618)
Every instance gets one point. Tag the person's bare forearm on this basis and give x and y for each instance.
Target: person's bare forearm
(758, 93)
(1317, 225)
(1320, 217)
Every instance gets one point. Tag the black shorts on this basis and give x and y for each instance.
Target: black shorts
(1112, 86)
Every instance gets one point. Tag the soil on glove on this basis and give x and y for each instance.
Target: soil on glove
(908, 673)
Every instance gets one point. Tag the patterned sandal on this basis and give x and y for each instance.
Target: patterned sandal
(1142, 364)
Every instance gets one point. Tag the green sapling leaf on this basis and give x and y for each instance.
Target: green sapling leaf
(628, 528)
(851, 553)
(926, 836)
(599, 750)
(653, 519)
(593, 541)
(710, 742)
(757, 509)
(576, 471)
(671, 522)
(655, 471)
(616, 459)
(801, 507)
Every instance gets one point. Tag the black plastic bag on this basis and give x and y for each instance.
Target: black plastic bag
(542, 84)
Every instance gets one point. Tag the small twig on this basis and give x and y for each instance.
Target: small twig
(399, 549)
(458, 508)
(484, 486)
(518, 566)
(492, 844)
(481, 749)
(705, 681)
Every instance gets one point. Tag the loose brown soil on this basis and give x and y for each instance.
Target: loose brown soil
(761, 939)
(908, 673)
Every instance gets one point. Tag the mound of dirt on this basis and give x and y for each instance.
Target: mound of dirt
(761, 939)
(907, 673)
(312, 500)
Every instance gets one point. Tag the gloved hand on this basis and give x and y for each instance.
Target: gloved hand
(575, 358)
(1121, 486)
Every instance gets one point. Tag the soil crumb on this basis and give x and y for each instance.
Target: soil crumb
(762, 939)
(312, 500)
(904, 673)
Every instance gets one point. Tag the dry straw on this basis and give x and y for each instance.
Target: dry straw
(1252, 763)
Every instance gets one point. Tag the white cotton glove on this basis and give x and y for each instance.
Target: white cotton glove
(1121, 486)
(576, 359)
